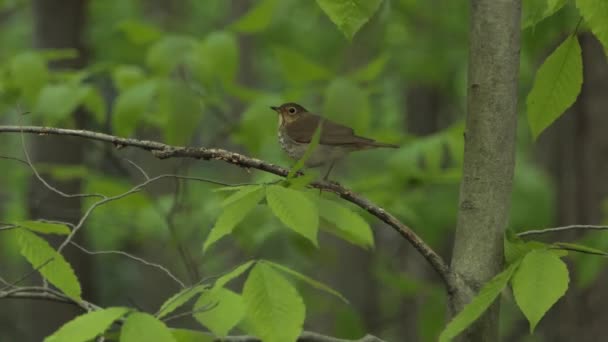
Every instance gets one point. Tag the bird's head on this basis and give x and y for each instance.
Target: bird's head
(289, 112)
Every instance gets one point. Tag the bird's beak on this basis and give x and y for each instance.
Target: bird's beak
(276, 109)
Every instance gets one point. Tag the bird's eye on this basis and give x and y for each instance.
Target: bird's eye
(291, 110)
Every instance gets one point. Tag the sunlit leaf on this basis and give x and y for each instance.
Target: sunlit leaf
(45, 227)
(542, 279)
(220, 310)
(575, 247)
(179, 299)
(314, 283)
(534, 11)
(235, 273)
(349, 15)
(49, 263)
(233, 213)
(595, 13)
(141, 326)
(472, 311)
(86, 327)
(275, 311)
(139, 33)
(126, 76)
(257, 19)
(556, 85)
(187, 335)
(295, 210)
(57, 101)
(346, 223)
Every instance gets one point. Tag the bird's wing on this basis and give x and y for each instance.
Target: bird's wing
(332, 133)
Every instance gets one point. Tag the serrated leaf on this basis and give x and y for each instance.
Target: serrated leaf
(295, 210)
(243, 192)
(45, 227)
(556, 85)
(257, 19)
(56, 269)
(575, 247)
(349, 15)
(346, 223)
(534, 11)
(542, 279)
(314, 283)
(595, 13)
(234, 212)
(298, 69)
(236, 272)
(179, 299)
(478, 305)
(141, 326)
(86, 327)
(226, 309)
(275, 311)
(131, 105)
(30, 73)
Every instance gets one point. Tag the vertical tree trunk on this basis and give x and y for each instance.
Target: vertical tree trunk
(489, 154)
(59, 24)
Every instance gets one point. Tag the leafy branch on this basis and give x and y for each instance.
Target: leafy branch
(164, 151)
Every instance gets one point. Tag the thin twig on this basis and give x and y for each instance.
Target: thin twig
(141, 260)
(164, 151)
(562, 228)
(27, 275)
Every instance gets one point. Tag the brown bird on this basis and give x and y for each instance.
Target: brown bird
(297, 127)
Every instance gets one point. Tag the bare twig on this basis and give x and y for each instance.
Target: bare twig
(130, 256)
(164, 151)
(561, 229)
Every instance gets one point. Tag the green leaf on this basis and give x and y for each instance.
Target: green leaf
(516, 248)
(257, 19)
(216, 57)
(187, 335)
(57, 101)
(30, 74)
(179, 299)
(226, 309)
(580, 248)
(126, 76)
(242, 192)
(346, 102)
(139, 33)
(542, 279)
(45, 227)
(131, 105)
(49, 263)
(233, 274)
(314, 283)
(349, 15)
(181, 110)
(472, 311)
(141, 326)
(274, 308)
(295, 210)
(314, 142)
(86, 327)
(534, 11)
(346, 223)
(595, 13)
(239, 205)
(299, 69)
(556, 85)
(167, 53)
(94, 102)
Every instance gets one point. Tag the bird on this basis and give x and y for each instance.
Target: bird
(296, 129)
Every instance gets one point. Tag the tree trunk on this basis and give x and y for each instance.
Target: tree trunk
(489, 154)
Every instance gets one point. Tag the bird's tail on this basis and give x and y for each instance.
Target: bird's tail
(380, 144)
(370, 143)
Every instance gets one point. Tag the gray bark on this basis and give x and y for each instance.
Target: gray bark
(489, 155)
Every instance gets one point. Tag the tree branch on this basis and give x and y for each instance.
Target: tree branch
(164, 151)
(561, 229)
